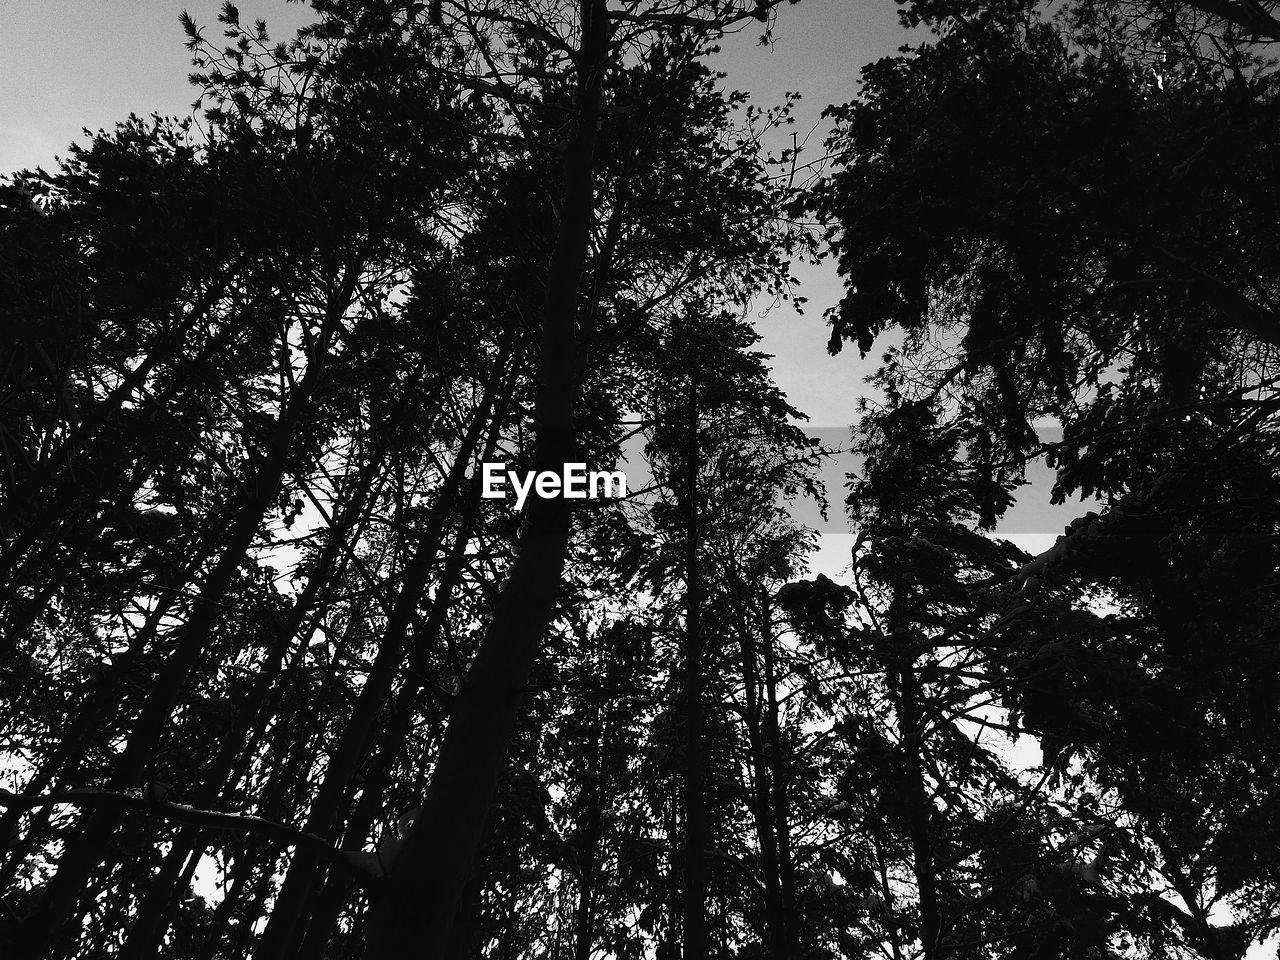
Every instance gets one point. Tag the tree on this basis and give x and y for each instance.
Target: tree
(475, 260)
(1070, 240)
(727, 455)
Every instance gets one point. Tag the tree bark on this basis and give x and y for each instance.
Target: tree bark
(591, 833)
(152, 919)
(83, 852)
(279, 939)
(762, 810)
(780, 778)
(695, 814)
(919, 812)
(319, 927)
(414, 913)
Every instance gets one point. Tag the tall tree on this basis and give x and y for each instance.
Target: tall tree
(1084, 247)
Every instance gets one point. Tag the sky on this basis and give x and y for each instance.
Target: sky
(68, 65)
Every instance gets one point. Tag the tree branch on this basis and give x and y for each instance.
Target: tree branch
(140, 802)
(1235, 306)
(1243, 13)
(759, 10)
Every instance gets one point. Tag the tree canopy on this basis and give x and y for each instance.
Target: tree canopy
(279, 680)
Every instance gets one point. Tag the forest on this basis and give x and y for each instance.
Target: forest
(279, 681)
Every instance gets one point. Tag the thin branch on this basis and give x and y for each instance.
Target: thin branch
(142, 802)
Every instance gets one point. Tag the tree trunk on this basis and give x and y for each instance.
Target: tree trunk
(259, 855)
(279, 939)
(780, 777)
(414, 913)
(591, 832)
(75, 740)
(919, 811)
(695, 813)
(761, 792)
(242, 874)
(329, 904)
(152, 920)
(83, 852)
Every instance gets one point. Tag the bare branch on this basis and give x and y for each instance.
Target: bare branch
(141, 802)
